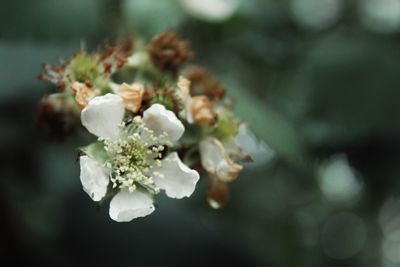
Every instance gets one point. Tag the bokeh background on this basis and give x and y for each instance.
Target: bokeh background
(318, 80)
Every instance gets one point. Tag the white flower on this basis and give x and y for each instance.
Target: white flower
(135, 167)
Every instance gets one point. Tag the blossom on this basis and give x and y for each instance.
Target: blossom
(220, 157)
(129, 159)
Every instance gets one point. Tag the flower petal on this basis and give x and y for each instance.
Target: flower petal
(160, 120)
(177, 179)
(249, 144)
(217, 162)
(94, 178)
(126, 206)
(203, 110)
(103, 114)
(184, 93)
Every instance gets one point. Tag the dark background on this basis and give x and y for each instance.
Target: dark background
(317, 79)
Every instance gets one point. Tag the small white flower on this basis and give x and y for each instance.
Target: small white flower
(136, 158)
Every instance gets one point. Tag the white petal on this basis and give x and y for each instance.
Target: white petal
(159, 119)
(177, 179)
(94, 178)
(126, 206)
(259, 151)
(103, 114)
(216, 161)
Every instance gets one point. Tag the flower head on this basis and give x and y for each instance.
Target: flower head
(132, 157)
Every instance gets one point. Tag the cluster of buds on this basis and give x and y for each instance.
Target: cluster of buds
(157, 122)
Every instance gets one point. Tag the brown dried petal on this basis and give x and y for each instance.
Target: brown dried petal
(83, 93)
(132, 96)
(203, 110)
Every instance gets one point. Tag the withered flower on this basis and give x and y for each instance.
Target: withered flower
(83, 93)
(169, 52)
(203, 83)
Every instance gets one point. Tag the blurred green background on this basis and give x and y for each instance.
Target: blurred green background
(318, 80)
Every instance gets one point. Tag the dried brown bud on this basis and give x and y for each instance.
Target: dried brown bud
(169, 52)
(203, 83)
(217, 193)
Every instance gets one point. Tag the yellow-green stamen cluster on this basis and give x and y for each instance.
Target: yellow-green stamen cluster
(132, 157)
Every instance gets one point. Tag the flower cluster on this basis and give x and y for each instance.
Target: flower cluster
(157, 124)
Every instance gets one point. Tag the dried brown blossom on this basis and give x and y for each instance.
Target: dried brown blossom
(55, 116)
(203, 83)
(87, 67)
(169, 52)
